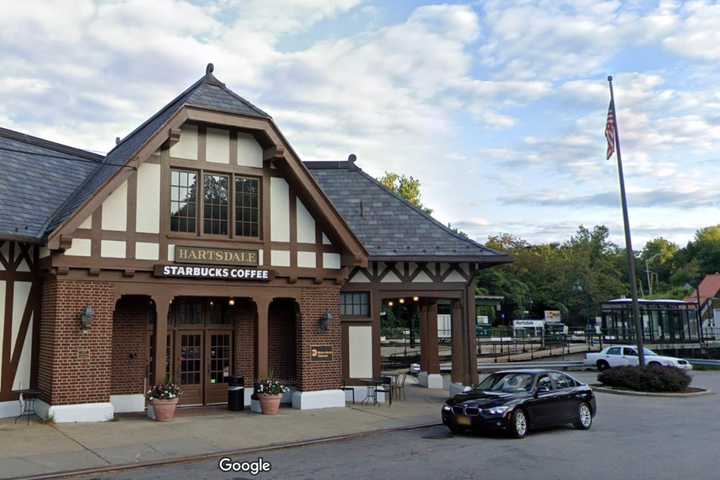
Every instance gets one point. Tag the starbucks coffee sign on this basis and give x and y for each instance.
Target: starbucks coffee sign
(213, 272)
(215, 256)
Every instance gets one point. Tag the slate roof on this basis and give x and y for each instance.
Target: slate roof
(37, 176)
(387, 225)
(208, 93)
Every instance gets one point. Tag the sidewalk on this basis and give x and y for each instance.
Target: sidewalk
(42, 448)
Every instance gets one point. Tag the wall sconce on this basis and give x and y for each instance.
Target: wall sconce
(390, 303)
(401, 301)
(415, 299)
(231, 302)
(325, 321)
(86, 318)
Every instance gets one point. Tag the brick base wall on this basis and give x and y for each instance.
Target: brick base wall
(130, 345)
(244, 351)
(281, 340)
(75, 366)
(319, 375)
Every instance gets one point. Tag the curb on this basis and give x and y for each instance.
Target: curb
(615, 391)
(218, 454)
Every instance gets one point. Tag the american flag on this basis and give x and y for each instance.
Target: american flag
(610, 130)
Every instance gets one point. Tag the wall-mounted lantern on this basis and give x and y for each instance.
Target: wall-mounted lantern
(86, 318)
(325, 321)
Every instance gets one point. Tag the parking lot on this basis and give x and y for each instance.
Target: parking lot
(632, 438)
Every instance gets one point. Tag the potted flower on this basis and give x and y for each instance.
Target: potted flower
(164, 398)
(269, 392)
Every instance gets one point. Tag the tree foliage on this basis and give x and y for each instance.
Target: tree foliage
(407, 187)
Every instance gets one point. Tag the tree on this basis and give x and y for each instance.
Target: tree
(406, 187)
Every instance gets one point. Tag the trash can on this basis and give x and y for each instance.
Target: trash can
(236, 394)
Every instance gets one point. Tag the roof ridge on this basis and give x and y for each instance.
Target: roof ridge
(50, 145)
(424, 214)
(245, 101)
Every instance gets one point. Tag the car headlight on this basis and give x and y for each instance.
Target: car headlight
(498, 410)
(446, 408)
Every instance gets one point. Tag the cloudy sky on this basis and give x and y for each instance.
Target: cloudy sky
(498, 107)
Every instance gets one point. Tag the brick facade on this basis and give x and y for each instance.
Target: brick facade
(319, 375)
(130, 342)
(244, 352)
(75, 366)
(281, 340)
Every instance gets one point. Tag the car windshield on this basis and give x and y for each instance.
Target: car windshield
(507, 383)
(649, 352)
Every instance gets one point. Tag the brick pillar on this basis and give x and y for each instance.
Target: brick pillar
(75, 366)
(319, 374)
(458, 349)
(261, 330)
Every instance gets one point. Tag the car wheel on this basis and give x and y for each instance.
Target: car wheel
(602, 365)
(654, 364)
(584, 417)
(518, 424)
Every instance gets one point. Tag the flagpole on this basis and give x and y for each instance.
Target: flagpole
(628, 239)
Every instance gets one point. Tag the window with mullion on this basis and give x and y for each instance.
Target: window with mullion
(183, 200)
(355, 304)
(246, 207)
(216, 201)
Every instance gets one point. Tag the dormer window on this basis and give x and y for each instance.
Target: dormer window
(218, 195)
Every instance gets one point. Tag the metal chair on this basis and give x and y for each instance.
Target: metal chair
(347, 388)
(385, 386)
(399, 386)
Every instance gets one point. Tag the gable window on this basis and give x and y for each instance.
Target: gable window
(355, 303)
(219, 193)
(216, 204)
(246, 207)
(183, 198)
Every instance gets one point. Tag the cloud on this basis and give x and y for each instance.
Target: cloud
(647, 199)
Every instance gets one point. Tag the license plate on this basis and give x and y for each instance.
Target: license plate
(463, 420)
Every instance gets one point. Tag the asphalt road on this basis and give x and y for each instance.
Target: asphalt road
(632, 438)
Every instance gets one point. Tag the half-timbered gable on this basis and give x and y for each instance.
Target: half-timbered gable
(201, 247)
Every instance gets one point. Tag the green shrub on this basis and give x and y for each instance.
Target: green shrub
(646, 379)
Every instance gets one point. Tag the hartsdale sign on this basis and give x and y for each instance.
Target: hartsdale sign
(215, 256)
(213, 272)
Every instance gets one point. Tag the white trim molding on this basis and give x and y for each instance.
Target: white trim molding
(128, 403)
(318, 399)
(9, 409)
(81, 412)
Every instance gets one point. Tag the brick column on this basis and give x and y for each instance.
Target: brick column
(320, 374)
(261, 331)
(75, 366)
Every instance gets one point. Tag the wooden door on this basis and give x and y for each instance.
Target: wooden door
(189, 361)
(218, 358)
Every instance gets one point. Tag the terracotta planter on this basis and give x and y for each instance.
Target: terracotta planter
(164, 409)
(270, 404)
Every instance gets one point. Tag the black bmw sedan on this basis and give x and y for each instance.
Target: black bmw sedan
(518, 400)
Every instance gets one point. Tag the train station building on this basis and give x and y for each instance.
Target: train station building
(202, 247)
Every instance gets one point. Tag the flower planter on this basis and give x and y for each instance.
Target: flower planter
(270, 404)
(164, 410)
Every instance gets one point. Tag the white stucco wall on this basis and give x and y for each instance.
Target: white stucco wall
(279, 210)
(147, 251)
(307, 259)
(360, 351)
(217, 145)
(331, 260)
(81, 247)
(147, 217)
(280, 258)
(249, 151)
(112, 248)
(114, 210)
(187, 147)
(305, 224)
